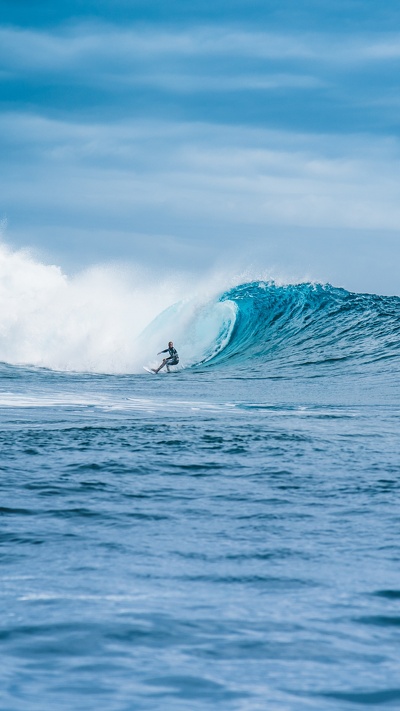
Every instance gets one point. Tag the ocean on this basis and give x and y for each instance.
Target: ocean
(225, 536)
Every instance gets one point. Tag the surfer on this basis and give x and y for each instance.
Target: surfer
(171, 359)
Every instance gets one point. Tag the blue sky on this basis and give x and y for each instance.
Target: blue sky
(193, 135)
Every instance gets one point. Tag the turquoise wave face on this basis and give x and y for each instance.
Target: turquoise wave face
(310, 326)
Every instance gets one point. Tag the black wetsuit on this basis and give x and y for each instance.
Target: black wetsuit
(173, 358)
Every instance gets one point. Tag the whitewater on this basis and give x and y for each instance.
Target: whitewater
(224, 536)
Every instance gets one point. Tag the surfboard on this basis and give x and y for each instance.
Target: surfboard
(149, 370)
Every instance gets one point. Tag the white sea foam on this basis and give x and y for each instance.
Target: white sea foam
(93, 321)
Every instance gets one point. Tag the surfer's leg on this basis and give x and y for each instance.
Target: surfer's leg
(161, 365)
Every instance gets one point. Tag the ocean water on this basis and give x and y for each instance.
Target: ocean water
(226, 536)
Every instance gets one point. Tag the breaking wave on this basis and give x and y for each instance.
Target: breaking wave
(114, 321)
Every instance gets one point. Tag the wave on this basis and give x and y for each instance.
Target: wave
(310, 324)
(303, 325)
(292, 326)
(260, 324)
(109, 321)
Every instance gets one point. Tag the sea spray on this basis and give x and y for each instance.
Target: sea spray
(109, 318)
(87, 322)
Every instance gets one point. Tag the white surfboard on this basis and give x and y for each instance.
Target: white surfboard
(149, 370)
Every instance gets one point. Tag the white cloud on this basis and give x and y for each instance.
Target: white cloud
(375, 49)
(29, 49)
(189, 83)
(193, 171)
(99, 48)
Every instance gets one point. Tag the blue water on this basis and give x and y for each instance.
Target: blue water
(223, 537)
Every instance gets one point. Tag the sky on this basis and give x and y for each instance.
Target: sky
(250, 134)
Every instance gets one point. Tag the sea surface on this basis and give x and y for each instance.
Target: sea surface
(226, 536)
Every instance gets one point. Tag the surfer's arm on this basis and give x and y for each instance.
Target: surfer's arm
(166, 351)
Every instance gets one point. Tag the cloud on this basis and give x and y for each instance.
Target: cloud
(180, 171)
(87, 159)
(212, 73)
(98, 47)
(36, 50)
(112, 59)
(379, 49)
(189, 83)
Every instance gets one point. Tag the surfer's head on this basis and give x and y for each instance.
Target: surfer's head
(170, 344)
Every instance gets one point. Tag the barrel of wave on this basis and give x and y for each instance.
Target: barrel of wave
(199, 331)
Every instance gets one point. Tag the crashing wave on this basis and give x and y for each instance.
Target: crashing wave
(105, 320)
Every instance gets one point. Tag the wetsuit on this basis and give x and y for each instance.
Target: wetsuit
(173, 358)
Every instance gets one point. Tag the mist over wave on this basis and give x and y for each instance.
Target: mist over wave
(99, 320)
(114, 320)
(88, 322)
